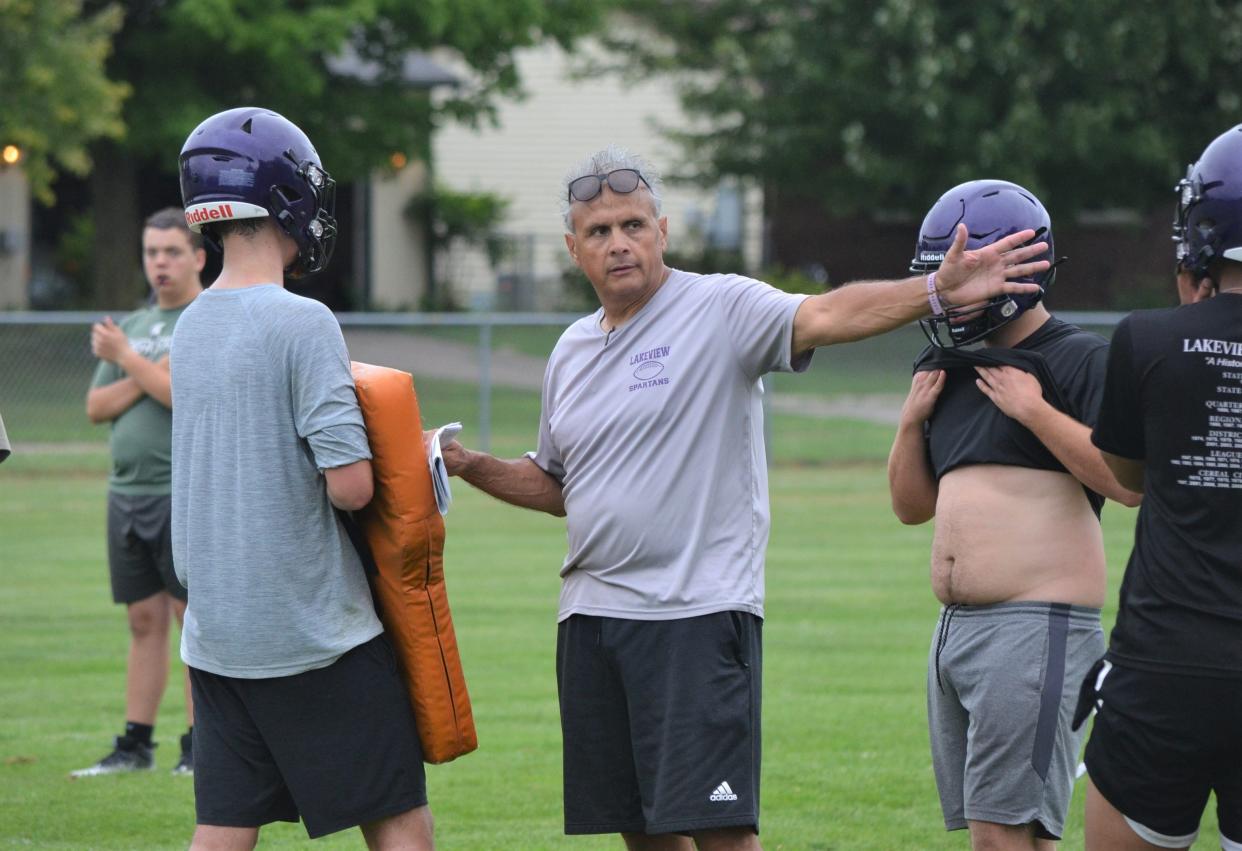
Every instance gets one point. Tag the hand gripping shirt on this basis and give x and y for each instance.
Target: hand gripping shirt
(655, 431)
(263, 401)
(968, 428)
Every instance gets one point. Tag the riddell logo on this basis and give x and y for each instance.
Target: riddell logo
(204, 214)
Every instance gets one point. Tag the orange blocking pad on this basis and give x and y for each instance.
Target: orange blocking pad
(405, 533)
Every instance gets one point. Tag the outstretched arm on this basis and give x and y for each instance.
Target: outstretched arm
(912, 484)
(867, 308)
(519, 482)
(1019, 395)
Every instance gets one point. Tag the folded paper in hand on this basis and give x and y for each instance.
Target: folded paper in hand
(435, 458)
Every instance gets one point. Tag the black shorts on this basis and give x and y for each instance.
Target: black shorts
(336, 746)
(660, 721)
(140, 558)
(1161, 743)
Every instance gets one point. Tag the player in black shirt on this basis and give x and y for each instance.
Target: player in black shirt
(1169, 694)
(994, 442)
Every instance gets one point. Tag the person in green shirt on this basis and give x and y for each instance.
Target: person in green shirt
(131, 389)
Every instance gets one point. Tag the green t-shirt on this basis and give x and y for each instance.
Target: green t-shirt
(141, 438)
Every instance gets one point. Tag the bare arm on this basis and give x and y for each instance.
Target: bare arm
(858, 310)
(1128, 471)
(350, 487)
(519, 482)
(912, 484)
(1019, 395)
(105, 404)
(152, 377)
(867, 308)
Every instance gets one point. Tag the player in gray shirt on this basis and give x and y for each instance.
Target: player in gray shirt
(300, 711)
(651, 444)
(270, 404)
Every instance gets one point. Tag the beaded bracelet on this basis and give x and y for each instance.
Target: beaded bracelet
(932, 298)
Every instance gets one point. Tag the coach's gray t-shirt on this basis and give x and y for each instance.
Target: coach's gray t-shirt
(263, 400)
(655, 431)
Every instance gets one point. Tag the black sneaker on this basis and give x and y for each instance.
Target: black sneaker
(185, 765)
(128, 755)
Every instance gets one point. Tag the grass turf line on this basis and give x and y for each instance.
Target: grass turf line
(850, 616)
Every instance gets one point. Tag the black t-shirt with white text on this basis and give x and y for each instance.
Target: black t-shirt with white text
(1173, 399)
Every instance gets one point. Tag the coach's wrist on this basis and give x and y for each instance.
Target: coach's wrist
(933, 296)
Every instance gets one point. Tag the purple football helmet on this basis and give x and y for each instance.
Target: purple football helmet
(991, 210)
(1208, 222)
(249, 163)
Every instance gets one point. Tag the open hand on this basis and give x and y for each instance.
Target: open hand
(970, 277)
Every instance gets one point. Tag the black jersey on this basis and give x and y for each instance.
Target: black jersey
(967, 428)
(1173, 399)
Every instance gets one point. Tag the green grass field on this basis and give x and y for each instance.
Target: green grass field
(849, 620)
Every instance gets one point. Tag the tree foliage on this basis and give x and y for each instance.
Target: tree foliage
(54, 95)
(882, 104)
(188, 59)
(472, 217)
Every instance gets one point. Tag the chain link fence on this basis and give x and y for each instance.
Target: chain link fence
(483, 369)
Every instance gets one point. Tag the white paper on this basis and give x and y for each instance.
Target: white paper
(435, 459)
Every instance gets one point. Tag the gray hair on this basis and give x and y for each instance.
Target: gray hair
(601, 162)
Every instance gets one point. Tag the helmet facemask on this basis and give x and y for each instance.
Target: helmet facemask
(1207, 223)
(316, 237)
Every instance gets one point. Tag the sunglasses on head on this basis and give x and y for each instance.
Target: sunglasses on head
(622, 181)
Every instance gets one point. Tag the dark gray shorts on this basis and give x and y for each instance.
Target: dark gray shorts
(660, 722)
(1002, 684)
(336, 746)
(140, 547)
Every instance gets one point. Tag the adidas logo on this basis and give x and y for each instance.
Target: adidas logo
(723, 792)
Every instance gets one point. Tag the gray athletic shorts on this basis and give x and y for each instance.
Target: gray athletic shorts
(1002, 684)
(140, 559)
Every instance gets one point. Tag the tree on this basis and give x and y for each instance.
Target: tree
(187, 59)
(880, 105)
(56, 96)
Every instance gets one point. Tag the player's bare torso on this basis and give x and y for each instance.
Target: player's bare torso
(1006, 533)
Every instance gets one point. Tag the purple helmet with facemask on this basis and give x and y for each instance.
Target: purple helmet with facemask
(1208, 222)
(250, 163)
(991, 210)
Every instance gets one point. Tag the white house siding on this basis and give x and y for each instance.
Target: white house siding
(541, 137)
(14, 238)
(394, 246)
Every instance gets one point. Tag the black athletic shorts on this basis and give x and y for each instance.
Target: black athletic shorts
(660, 723)
(336, 746)
(140, 560)
(1161, 743)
